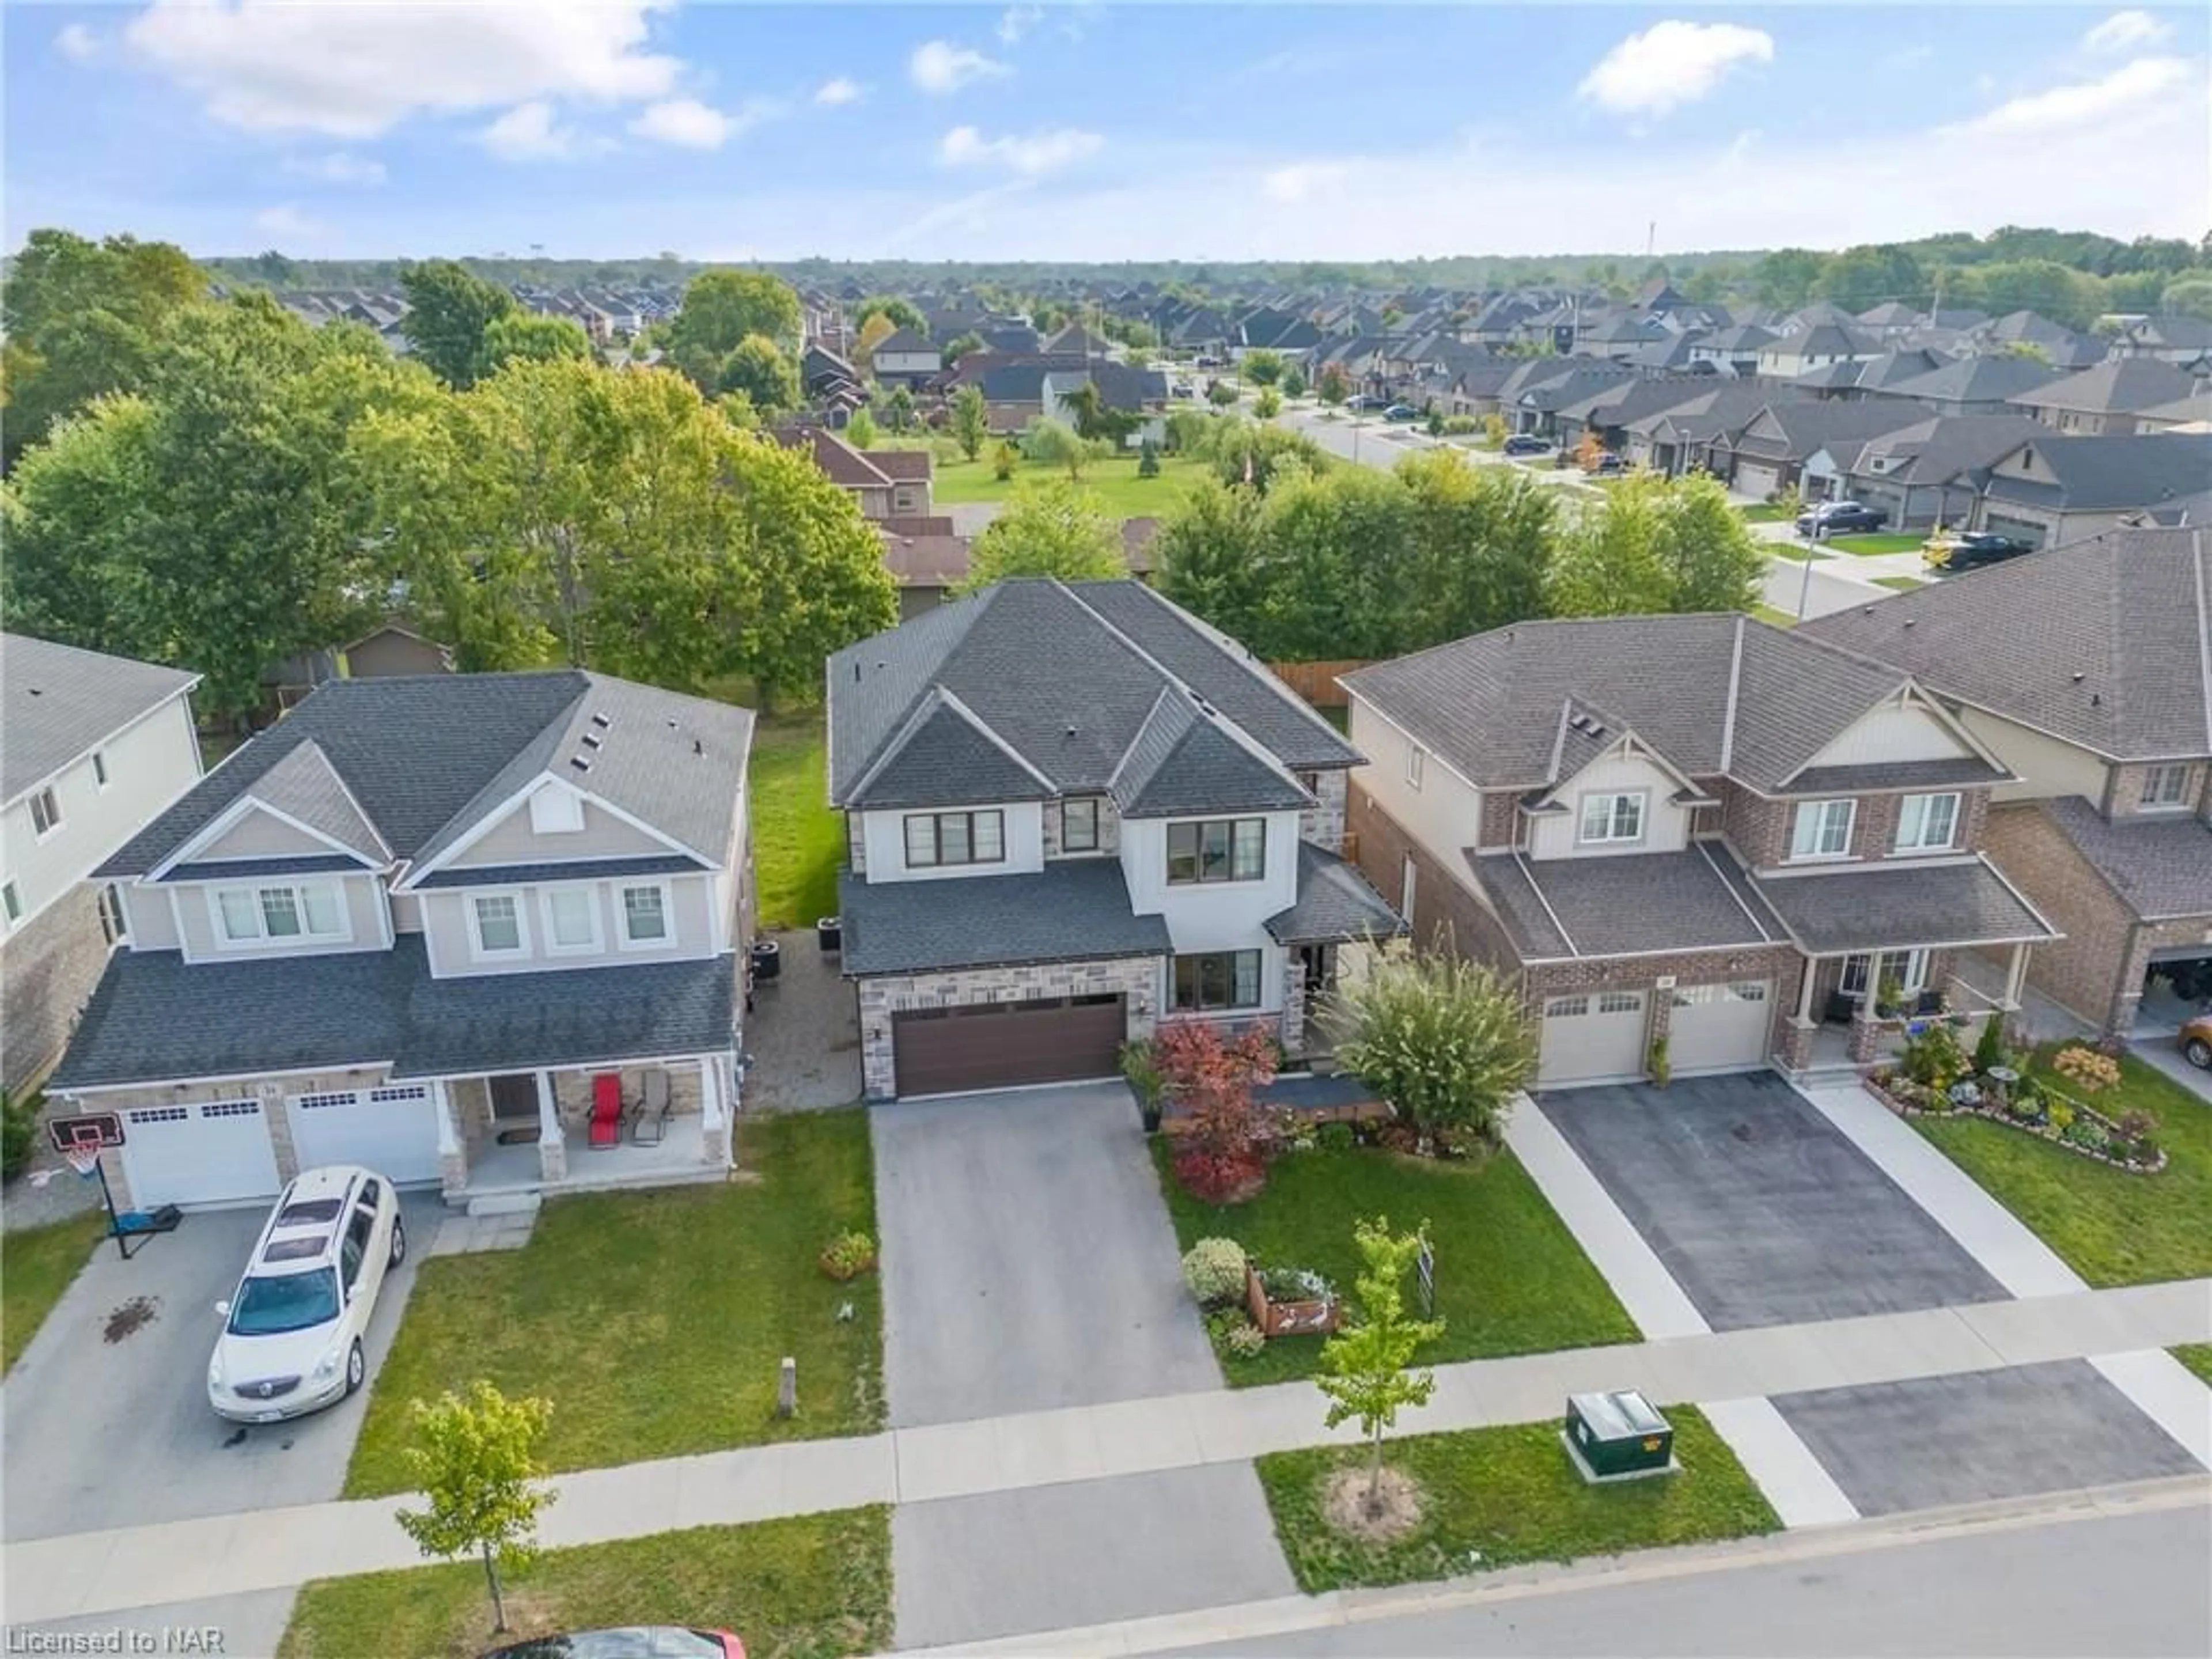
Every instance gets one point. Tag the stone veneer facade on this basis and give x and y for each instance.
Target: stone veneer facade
(1323, 825)
(48, 968)
(1137, 979)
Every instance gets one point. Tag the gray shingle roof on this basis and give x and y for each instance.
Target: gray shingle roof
(1991, 378)
(304, 864)
(424, 755)
(2117, 384)
(155, 1016)
(61, 702)
(1960, 772)
(1065, 675)
(305, 786)
(1896, 908)
(516, 875)
(2102, 642)
(1557, 908)
(1335, 904)
(945, 758)
(1183, 761)
(1075, 910)
(2161, 867)
(2112, 471)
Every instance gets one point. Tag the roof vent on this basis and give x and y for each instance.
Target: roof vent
(1594, 729)
(2078, 676)
(601, 721)
(697, 747)
(592, 740)
(581, 762)
(1910, 621)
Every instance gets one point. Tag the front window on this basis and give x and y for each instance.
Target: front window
(645, 914)
(45, 812)
(499, 924)
(1823, 828)
(571, 919)
(1926, 824)
(1613, 817)
(934, 839)
(273, 1304)
(1216, 981)
(1907, 970)
(2166, 786)
(1078, 825)
(1414, 758)
(252, 915)
(1217, 849)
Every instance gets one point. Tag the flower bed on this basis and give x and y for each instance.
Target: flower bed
(2046, 1113)
(1291, 1302)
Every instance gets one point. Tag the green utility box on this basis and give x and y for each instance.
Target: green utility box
(1618, 1437)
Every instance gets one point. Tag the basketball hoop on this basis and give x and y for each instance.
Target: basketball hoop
(83, 1158)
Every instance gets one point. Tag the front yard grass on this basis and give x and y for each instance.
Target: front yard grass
(2110, 1227)
(1899, 583)
(798, 839)
(1764, 513)
(37, 1264)
(1867, 546)
(1767, 613)
(816, 1587)
(1509, 1277)
(655, 1321)
(1795, 552)
(2198, 1358)
(1114, 481)
(1498, 1498)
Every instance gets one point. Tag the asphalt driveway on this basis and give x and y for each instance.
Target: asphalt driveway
(1763, 1211)
(1028, 1263)
(106, 1420)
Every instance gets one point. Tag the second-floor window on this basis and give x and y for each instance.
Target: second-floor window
(1617, 818)
(2166, 786)
(1079, 824)
(45, 812)
(572, 919)
(1415, 756)
(645, 916)
(1217, 849)
(941, 838)
(1823, 829)
(255, 915)
(1926, 823)
(12, 902)
(498, 924)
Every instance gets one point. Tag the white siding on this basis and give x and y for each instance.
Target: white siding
(149, 764)
(449, 929)
(2049, 767)
(511, 841)
(1666, 826)
(1890, 733)
(1210, 916)
(883, 836)
(1444, 815)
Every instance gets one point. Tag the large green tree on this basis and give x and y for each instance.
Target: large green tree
(757, 366)
(82, 318)
(520, 335)
(722, 307)
(902, 313)
(450, 310)
(1052, 528)
(971, 420)
(1208, 552)
(1656, 545)
(1482, 539)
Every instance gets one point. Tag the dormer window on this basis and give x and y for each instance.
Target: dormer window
(1926, 823)
(1823, 829)
(261, 915)
(1613, 817)
(1079, 824)
(554, 812)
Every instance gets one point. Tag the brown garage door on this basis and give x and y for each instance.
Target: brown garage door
(996, 1045)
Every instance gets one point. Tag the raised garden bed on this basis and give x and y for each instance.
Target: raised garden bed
(1291, 1302)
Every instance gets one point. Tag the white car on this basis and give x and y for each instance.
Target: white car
(291, 1340)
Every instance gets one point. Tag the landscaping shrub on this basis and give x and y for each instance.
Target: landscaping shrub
(1246, 1341)
(2085, 1069)
(1335, 1138)
(1988, 1049)
(1461, 426)
(849, 1255)
(19, 1133)
(1933, 1058)
(1220, 1178)
(1445, 1041)
(2136, 1124)
(1213, 1269)
(1227, 1135)
(1140, 1070)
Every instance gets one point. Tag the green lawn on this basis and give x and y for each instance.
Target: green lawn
(1795, 552)
(1509, 1277)
(1764, 513)
(1865, 546)
(817, 1587)
(799, 839)
(37, 1264)
(1899, 583)
(1767, 613)
(2110, 1227)
(655, 1321)
(1115, 483)
(2198, 1358)
(1497, 1498)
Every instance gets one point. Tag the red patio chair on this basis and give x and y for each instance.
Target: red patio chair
(606, 1111)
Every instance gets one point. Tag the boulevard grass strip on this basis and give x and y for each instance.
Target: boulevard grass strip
(1899, 583)
(1506, 1496)
(1873, 546)
(1509, 1277)
(656, 1321)
(2198, 1358)
(2110, 1226)
(37, 1264)
(814, 1587)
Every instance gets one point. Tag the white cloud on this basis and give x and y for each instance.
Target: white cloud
(337, 168)
(1018, 21)
(1031, 154)
(939, 66)
(528, 132)
(1302, 180)
(77, 42)
(1672, 64)
(353, 71)
(841, 89)
(2084, 102)
(686, 123)
(2125, 30)
(286, 220)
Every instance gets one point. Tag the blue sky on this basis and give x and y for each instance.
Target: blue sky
(1086, 130)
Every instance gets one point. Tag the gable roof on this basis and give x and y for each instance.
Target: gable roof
(902, 339)
(424, 756)
(1940, 448)
(1991, 378)
(846, 467)
(2111, 470)
(2118, 384)
(1184, 760)
(2102, 642)
(1066, 676)
(1807, 426)
(306, 787)
(61, 702)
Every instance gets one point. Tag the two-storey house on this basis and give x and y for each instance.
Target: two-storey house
(413, 926)
(2088, 670)
(1074, 811)
(94, 747)
(1694, 828)
(905, 358)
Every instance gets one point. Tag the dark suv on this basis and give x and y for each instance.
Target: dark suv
(1525, 443)
(1979, 548)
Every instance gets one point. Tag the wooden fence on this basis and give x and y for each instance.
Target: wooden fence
(1316, 681)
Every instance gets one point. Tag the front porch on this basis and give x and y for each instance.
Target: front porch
(1860, 1010)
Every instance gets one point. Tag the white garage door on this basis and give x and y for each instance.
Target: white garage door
(214, 1152)
(1717, 1028)
(393, 1131)
(1754, 480)
(1596, 1036)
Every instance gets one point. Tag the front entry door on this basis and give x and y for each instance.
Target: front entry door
(515, 1097)
(1320, 963)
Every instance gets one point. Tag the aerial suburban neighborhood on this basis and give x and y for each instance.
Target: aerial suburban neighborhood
(1088, 888)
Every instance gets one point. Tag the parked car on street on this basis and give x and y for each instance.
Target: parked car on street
(1359, 401)
(1401, 412)
(1839, 518)
(1973, 549)
(1609, 465)
(1525, 443)
(293, 1333)
(642, 1641)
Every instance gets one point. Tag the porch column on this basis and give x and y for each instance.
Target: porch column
(1805, 990)
(1796, 1049)
(2015, 977)
(713, 1114)
(552, 1144)
(452, 1159)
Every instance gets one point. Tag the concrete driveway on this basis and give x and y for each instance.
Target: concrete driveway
(1027, 1260)
(106, 1420)
(1761, 1210)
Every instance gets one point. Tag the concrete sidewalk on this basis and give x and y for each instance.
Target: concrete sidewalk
(100, 1572)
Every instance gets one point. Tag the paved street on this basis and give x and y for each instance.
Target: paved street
(1027, 1261)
